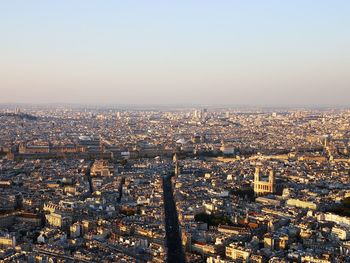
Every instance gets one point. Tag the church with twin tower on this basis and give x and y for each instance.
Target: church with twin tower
(264, 186)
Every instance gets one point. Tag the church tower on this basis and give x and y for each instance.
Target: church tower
(272, 181)
(264, 184)
(257, 174)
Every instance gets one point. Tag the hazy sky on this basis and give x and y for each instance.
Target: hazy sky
(182, 51)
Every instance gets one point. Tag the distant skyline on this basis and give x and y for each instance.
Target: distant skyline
(277, 53)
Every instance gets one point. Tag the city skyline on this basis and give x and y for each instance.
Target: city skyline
(199, 53)
(188, 185)
(174, 131)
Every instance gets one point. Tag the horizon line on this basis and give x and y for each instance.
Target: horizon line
(176, 105)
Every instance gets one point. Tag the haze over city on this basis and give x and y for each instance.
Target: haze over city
(175, 52)
(174, 131)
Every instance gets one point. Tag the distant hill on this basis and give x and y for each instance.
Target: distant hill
(20, 115)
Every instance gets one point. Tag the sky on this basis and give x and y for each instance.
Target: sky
(143, 52)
